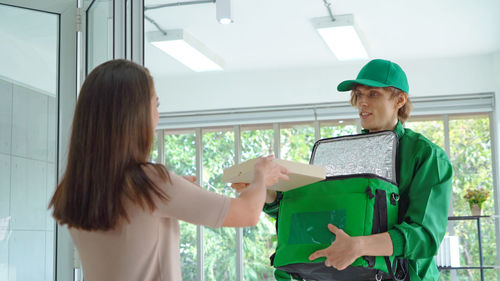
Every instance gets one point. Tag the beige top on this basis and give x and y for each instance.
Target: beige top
(147, 248)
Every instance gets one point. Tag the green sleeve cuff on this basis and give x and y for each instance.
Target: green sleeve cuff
(272, 208)
(276, 199)
(398, 242)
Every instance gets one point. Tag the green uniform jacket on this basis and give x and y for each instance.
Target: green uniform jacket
(424, 177)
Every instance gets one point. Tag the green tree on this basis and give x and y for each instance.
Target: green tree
(297, 141)
(337, 131)
(219, 243)
(431, 129)
(180, 157)
(259, 242)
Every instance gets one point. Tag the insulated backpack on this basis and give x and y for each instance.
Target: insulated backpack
(360, 195)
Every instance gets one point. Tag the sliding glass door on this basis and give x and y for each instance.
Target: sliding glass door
(31, 118)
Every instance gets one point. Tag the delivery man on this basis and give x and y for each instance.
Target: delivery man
(380, 93)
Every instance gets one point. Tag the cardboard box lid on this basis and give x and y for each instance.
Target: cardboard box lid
(300, 174)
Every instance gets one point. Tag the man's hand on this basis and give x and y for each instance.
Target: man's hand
(239, 187)
(343, 251)
(192, 179)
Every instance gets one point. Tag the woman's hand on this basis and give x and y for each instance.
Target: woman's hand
(269, 172)
(245, 210)
(343, 251)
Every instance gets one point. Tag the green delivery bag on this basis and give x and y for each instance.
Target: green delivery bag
(360, 196)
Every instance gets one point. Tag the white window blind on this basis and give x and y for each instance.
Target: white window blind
(428, 105)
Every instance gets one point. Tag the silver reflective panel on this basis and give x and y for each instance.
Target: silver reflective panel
(359, 154)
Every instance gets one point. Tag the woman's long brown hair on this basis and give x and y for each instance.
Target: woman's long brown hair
(111, 139)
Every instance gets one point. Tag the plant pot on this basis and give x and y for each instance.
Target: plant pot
(475, 209)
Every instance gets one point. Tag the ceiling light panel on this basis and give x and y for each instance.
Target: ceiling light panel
(341, 37)
(186, 49)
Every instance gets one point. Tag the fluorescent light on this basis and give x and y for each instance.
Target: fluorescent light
(186, 49)
(344, 42)
(223, 11)
(189, 56)
(341, 37)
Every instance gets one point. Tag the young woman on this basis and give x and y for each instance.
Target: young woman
(121, 210)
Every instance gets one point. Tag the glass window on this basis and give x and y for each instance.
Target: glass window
(336, 128)
(219, 243)
(180, 158)
(154, 156)
(180, 152)
(256, 141)
(100, 33)
(470, 149)
(28, 142)
(467, 275)
(297, 141)
(470, 155)
(128, 28)
(432, 127)
(259, 242)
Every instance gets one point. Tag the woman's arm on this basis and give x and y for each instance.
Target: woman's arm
(246, 208)
(188, 202)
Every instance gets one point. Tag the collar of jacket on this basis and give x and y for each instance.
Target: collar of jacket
(399, 130)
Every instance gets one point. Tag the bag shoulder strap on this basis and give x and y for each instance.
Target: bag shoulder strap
(397, 273)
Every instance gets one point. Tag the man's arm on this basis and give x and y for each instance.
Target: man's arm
(346, 249)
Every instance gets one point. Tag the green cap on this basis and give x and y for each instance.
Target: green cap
(378, 73)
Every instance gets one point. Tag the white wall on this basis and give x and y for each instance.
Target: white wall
(451, 76)
(444, 76)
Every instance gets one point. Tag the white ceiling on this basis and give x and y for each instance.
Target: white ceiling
(277, 34)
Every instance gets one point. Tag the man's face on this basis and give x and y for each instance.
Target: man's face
(377, 108)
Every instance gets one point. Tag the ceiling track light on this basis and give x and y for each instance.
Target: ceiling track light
(222, 8)
(223, 11)
(328, 5)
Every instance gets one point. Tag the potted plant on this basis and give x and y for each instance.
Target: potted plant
(476, 197)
